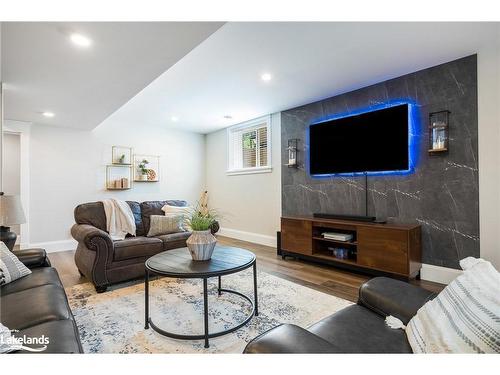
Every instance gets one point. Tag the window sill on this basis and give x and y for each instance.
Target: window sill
(236, 172)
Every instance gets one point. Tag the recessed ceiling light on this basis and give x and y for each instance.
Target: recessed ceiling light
(80, 40)
(266, 77)
(228, 117)
(48, 114)
(174, 118)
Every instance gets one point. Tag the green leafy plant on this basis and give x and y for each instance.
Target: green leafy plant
(142, 166)
(199, 221)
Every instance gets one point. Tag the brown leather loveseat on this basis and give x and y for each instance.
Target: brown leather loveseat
(104, 261)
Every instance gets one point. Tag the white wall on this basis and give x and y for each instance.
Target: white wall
(251, 203)
(489, 147)
(67, 167)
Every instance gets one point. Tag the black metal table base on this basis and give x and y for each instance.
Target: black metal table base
(206, 335)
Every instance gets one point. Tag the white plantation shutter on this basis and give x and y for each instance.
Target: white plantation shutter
(248, 146)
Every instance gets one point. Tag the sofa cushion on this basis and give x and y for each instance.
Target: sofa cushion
(92, 214)
(149, 208)
(356, 329)
(137, 247)
(174, 240)
(38, 277)
(33, 306)
(136, 211)
(62, 334)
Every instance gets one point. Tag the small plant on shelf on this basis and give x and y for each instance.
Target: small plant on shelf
(143, 169)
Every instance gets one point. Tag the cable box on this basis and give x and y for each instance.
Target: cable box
(344, 237)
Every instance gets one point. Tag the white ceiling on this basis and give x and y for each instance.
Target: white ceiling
(308, 61)
(221, 76)
(44, 71)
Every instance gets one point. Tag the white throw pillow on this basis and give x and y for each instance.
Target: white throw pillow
(464, 317)
(171, 223)
(11, 268)
(185, 211)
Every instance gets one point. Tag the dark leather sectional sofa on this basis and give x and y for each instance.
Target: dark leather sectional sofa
(36, 305)
(104, 261)
(358, 328)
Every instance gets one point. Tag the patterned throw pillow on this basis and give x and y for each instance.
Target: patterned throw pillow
(11, 268)
(185, 211)
(160, 224)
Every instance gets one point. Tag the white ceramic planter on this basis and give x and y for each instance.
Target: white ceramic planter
(201, 244)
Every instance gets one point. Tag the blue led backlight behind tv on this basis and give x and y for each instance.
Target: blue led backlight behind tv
(377, 140)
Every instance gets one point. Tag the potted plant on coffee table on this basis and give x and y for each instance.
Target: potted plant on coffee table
(202, 242)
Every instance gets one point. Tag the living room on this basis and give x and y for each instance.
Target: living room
(206, 187)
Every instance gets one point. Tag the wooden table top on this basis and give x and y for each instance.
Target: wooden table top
(178, 262)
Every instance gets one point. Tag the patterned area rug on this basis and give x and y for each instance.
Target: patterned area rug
(113, 322)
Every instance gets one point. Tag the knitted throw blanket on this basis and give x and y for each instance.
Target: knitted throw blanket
(464, 317)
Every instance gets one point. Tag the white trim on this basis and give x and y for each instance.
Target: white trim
(438, 274)
(55, 246)
(235, 172)
(257, 238)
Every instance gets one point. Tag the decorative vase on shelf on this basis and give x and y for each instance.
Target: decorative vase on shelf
(143, 177)
(201, 244)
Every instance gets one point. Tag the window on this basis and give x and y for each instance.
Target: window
(249, 147)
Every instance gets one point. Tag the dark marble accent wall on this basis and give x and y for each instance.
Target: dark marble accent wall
(442, 194)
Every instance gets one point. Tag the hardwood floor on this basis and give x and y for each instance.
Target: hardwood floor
(340, 283)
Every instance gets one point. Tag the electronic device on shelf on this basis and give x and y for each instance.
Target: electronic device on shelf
(344, 217)
(344, 237)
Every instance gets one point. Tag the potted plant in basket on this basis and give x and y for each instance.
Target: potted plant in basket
(202, 242)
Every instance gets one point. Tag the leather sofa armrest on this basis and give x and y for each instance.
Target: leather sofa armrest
(86, 234)
(33, 258)
(289, 339)
(387, 296)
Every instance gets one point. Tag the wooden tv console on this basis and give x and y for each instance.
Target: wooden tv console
(384, 248)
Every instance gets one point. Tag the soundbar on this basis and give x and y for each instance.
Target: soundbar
(369, 219)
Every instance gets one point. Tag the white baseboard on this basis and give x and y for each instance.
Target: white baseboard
(54, 246)
(438, 274)
(260, 239)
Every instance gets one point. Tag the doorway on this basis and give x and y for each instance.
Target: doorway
(12, 170)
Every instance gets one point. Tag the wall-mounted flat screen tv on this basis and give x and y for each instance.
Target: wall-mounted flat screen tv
(376, 141)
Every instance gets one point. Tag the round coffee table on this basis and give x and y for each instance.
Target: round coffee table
(179, 264)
